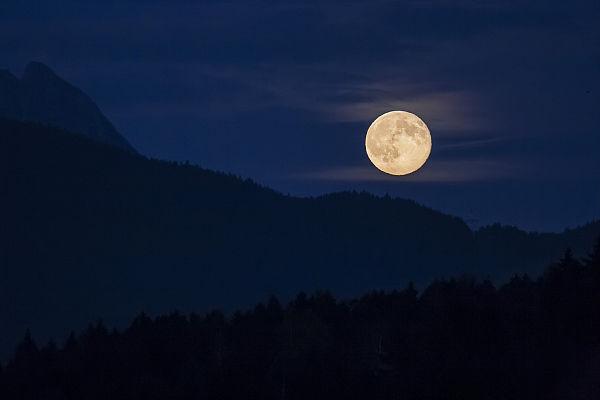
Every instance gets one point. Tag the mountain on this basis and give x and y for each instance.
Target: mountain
(42, 96)
(89, 230)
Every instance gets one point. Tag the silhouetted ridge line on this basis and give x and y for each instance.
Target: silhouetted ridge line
(42, 96)
(89, 230)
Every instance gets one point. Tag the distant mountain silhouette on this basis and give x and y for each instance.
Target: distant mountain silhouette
(42, 96)
(89, 231)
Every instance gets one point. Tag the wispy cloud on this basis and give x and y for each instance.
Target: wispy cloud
(445, 111)
(342, 95)
(458, 144)
(439, 171)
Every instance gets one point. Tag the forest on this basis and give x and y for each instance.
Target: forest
(89, 230)
(459, 338)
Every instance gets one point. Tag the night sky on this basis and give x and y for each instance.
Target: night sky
(283, 92)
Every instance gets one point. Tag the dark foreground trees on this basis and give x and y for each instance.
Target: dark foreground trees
(458, 339)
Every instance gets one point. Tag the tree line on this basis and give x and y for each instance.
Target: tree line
(459, 338)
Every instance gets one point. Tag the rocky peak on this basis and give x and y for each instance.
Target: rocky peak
(42, 96)
(38, 71)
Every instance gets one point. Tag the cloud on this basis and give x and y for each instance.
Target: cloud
(442, 111)
(470, 143)
(448, 171)
(349, 94)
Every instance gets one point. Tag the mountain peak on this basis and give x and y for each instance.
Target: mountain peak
(36, 69)
(43, 96)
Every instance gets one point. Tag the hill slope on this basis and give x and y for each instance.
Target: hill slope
(42, 96)
(91, 231)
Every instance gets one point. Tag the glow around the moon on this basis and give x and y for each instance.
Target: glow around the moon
(398, 143)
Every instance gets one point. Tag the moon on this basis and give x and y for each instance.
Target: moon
(398, 143)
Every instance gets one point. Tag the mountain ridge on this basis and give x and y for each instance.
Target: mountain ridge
(102, 232)
(44, 97)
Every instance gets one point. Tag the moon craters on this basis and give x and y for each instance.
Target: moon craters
(398, 143)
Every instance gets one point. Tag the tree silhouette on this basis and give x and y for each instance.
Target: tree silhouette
(459, 338)
(96, 224)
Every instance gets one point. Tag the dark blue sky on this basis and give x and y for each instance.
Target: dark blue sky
(283, 92)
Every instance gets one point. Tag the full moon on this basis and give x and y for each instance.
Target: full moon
(398, 142)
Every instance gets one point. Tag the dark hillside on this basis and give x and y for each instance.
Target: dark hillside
(90, 231)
